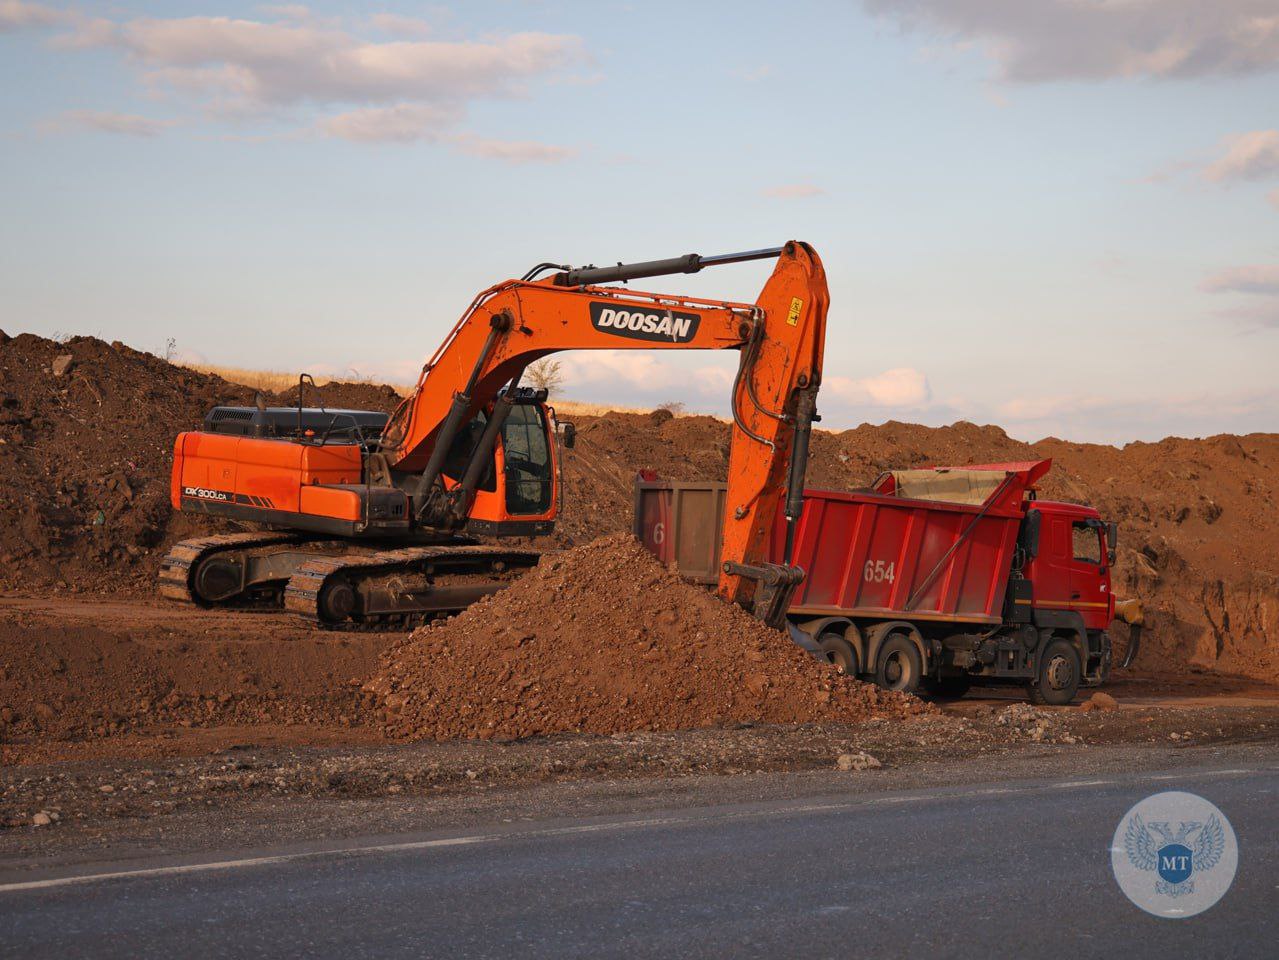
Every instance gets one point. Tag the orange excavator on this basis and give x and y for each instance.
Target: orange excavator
(375, 522)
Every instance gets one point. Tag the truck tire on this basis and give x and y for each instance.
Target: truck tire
(839, 652)
(1057, 674)
(898, 665)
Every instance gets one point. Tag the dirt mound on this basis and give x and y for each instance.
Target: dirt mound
(86, 446)
(341, 395)
(603, 639)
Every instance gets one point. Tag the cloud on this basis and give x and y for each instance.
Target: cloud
(1254, 316)
(1261, 282)
(107, 121)
(365, 87)
(1046, 40)
(1120, 419)
(511, 151)
(794, 191)
(901, 388)
(18, 15)
(410, 122)
(1248, 156)
(401, 123)
(291, 62)
(1261, 279)
(643, 372)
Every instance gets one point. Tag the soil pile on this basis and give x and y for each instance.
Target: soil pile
(86, 446)
(603, 639)
(1198, 518)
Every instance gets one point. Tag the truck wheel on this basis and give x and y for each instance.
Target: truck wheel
(898, 666)
(1057, 674)
(838, 652)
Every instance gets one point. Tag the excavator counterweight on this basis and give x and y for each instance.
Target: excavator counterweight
(384, 515)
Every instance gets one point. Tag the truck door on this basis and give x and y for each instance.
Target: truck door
(1052, 567)
(1088, 581)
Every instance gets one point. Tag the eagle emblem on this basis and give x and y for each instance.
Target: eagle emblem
(1174, 855)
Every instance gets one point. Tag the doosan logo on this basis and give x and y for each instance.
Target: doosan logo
(667, 325)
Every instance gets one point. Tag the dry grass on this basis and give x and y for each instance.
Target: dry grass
(572, 408)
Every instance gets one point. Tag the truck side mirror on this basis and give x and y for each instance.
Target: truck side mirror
(1030, 534)
(1112, 541)
(570, 435)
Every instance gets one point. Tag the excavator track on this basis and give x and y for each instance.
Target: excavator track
(397, 589)
(179, 566)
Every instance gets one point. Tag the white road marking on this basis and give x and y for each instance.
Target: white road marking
(415, 845)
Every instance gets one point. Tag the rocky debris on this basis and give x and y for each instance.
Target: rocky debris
(1040, 725)
(159, 786)
(1099, 701)
(603, 639)
(856, 761)
(61, 364)
(43, 819)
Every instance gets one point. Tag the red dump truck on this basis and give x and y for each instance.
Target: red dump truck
(928, 580)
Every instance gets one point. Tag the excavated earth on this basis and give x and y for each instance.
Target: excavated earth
(93, 668)
(604, 639)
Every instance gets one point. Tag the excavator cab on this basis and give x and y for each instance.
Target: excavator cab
(516, 494)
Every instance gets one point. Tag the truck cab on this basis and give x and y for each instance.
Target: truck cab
(1070, 552)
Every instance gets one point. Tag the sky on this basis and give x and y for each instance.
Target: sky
(1058, 216)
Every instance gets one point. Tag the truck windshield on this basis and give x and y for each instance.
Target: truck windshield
(528, 461)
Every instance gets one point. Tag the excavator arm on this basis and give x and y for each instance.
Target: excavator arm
(780, 338)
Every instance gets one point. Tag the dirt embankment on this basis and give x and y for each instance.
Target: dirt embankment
(85, 450)
(603, 639)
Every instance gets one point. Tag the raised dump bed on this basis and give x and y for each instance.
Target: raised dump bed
(928, 543)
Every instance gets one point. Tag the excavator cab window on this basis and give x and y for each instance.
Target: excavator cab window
(529, 488)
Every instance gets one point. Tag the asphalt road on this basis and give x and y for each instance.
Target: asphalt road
(980, 871)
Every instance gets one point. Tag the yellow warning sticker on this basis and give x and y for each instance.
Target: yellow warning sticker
(796, 305)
